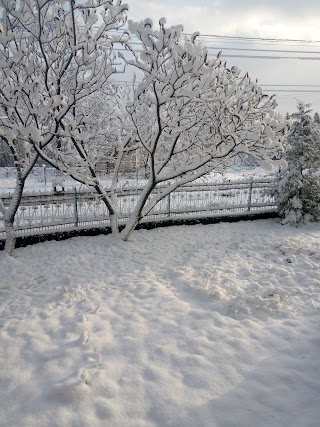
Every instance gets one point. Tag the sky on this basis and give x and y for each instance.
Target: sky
(265, 19)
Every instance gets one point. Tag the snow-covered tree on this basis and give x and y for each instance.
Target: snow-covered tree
(90, 137)
(186, 117)
(299, 192)
(5, 155)
(316, 118)
(191, 115)
(53, 55)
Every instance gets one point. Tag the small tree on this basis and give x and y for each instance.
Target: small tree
(53, 55)
(191, 115)
(299, 192)
(316, 118)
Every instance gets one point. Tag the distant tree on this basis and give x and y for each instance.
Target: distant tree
(299, 193)
(287, 116)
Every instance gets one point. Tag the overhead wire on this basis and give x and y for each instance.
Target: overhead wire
(300, 58)
(256, 38)
(264, 50)
(292, 90)
(266, 45)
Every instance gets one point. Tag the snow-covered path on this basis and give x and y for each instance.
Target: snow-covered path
(213, 325)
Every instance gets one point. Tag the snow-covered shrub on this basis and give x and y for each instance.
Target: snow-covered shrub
(299, 198)
(299, 190)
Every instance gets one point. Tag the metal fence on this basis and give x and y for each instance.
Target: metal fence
(41, 213)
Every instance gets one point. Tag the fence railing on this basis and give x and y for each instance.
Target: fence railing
(41, 213)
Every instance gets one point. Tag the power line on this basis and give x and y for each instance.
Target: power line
(257, 38)
(287, 85)
(248, 49)
(252, 42)
(311, 91)
(300, 58)
(275, 39)
(263, 50)
(292, 90)
(236, 39)
(309, 96)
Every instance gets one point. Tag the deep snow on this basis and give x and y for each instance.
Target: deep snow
(214, 325)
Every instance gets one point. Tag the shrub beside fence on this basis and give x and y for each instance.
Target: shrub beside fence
(40, 213)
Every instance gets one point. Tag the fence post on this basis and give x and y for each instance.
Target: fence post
(250, 194)
(44, 174)
(168, 204)
(76, 216)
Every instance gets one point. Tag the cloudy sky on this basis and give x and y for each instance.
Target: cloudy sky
(267, 18)
(279, 19)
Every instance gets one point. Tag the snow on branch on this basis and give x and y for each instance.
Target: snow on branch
(53, 56)
(191, 114)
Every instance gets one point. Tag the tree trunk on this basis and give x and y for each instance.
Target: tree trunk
(10, 238)
(112, 209)
(130, 226)
(9, 216)
(113, 214)
(114, 223)
(137, 215)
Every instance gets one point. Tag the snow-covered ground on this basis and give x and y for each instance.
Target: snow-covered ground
(199, 326)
